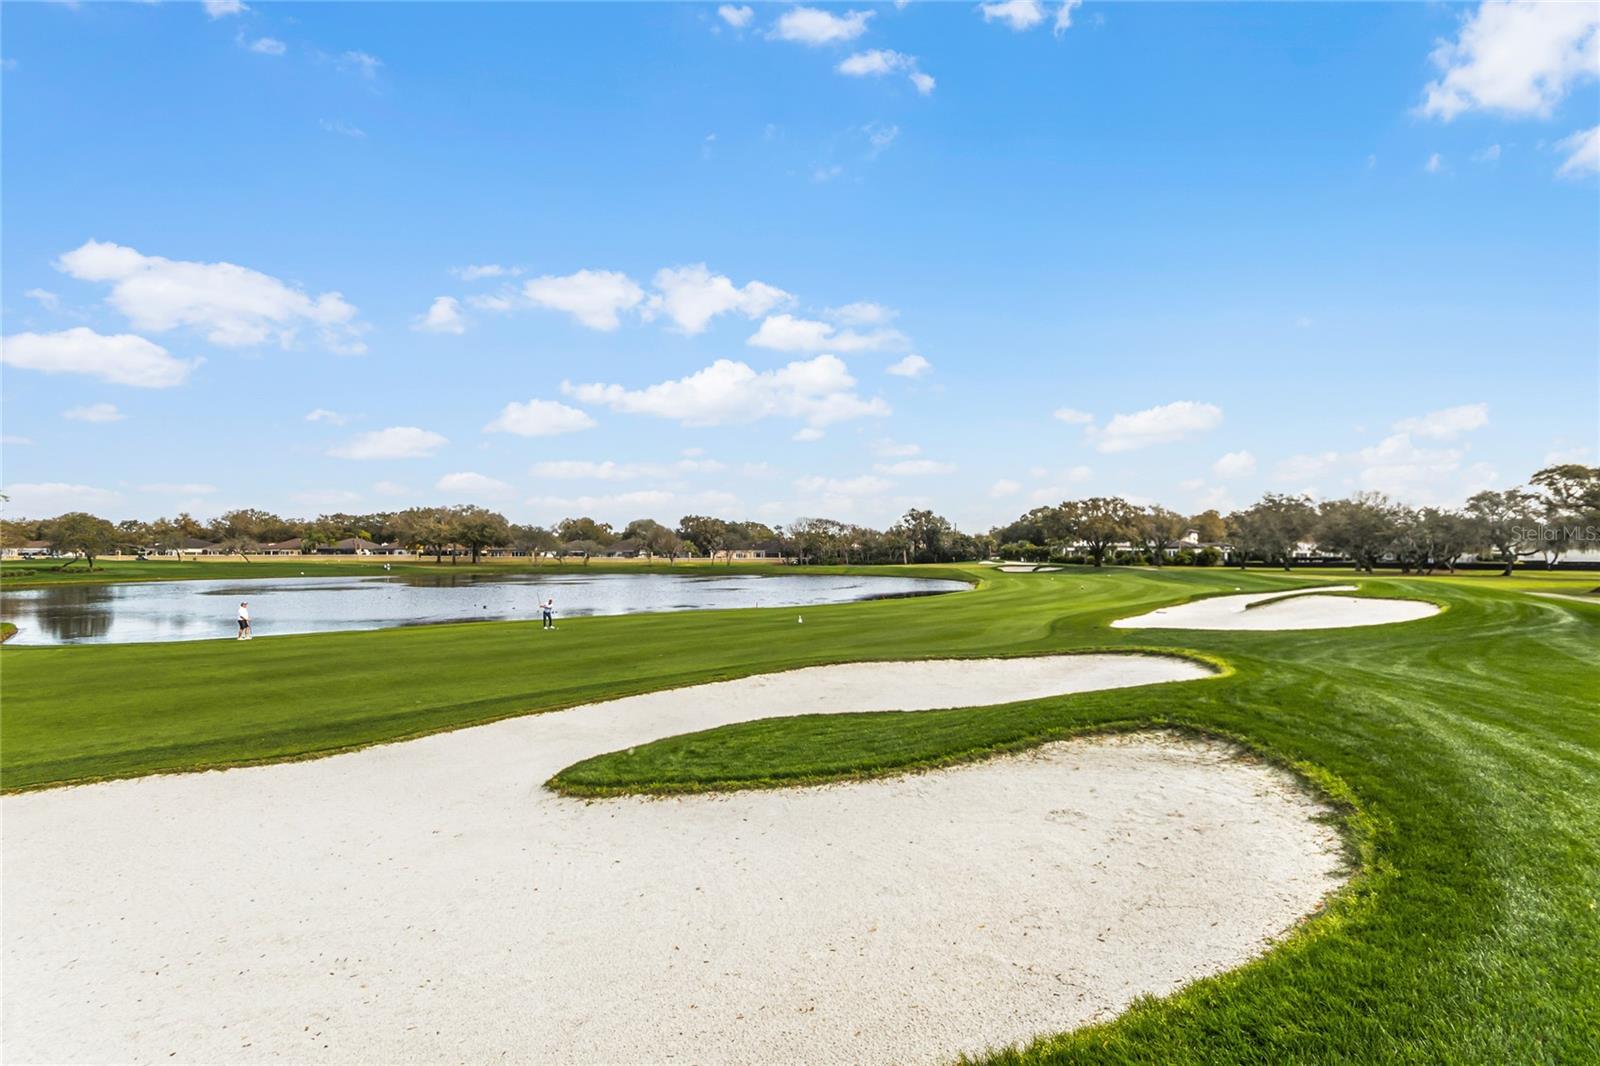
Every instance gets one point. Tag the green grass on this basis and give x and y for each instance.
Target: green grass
(1463, 749)
(7, 631)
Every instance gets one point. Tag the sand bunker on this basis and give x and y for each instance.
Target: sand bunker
(1028, 568)
(431, 902)
(1294, 609)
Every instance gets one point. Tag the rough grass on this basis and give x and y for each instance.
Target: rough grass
(1464, 749)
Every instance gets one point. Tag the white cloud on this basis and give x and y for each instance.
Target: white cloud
(218, 8)
(322, 414)
(362, 63)
(45, 299)
(588, 470)
(396, 442)
(1072, 416)
(1018, 14)
(877, 62)
(1298, 468)
(444, 316)
(189, 488)
(1518, 57)
(820, 174)
(1583, 153)
(915, 468)
(235, 306)
(505, 300)
(1560, 455)
(866, 485)
(1486, 155)
(1003, 488)
(94, 412)
(268, 46)
(879, 136)
(391, 488)
(820, 391)
(737, 16)
(1157, 425)
(912, 366)
(594, 297)
(1398, 466)
(122, 359)
(813, 26)
(894, 450)
(1064, 16)
(14, 440)
(478, 271)
(1446, 423)
(583, 469)
(1215, 498)
(807, 434)
(471, 484)
(1435, 163)
(692, 296)
(1235, 464)
(862, 313)
(539, 418)
(1060, 490)
(49, 498)
(342, 128)
(786, 333)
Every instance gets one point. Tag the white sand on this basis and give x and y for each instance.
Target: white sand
(1293, 609)
(430, 902)
(1028, 568)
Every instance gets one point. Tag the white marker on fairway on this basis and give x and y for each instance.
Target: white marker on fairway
(801, 619)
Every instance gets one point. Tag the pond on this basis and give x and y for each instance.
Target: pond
(198, 610)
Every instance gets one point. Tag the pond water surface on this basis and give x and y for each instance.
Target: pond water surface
(198, 610)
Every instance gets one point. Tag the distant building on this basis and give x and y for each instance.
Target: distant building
(33, 549)
(769, 551)
(359, 546)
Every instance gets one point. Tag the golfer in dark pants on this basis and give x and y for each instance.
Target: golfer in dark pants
(548, 609)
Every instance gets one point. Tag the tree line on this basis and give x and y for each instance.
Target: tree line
(1557, 510)
(449, 532)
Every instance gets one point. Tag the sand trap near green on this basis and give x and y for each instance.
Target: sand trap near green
(1294, 609)
(431, 901)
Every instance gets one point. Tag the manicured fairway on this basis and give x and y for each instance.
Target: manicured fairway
(1468, 745)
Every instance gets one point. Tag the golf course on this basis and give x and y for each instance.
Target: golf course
(1457, 755)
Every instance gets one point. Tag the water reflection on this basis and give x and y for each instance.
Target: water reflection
(191, 610)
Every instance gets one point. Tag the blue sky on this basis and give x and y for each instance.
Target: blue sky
(778, 261)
